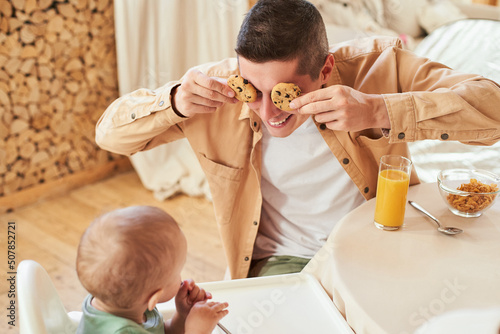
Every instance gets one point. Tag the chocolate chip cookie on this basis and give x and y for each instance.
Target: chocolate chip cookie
(283, 93)
(243, 89)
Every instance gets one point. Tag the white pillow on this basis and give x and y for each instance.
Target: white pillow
(337, 34)
(438, 13)
(402, 16)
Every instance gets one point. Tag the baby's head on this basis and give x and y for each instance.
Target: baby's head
(126, 255)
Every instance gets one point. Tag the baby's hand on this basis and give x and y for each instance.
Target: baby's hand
(204, 316)
(188, 295)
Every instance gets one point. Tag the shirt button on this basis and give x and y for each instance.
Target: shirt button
(444, 136)
(401, 135)
(161, 103)
(132, 116)
(322, 126)
(345, 161)
(366, 190)
(247, 258)
(255, 223)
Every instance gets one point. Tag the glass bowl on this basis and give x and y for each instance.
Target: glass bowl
(480, 189)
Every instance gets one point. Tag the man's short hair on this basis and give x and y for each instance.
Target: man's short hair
(282, 30)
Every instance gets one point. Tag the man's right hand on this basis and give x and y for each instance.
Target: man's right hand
(199, 93)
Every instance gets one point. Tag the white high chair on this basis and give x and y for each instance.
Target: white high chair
(42, 312)
(40, 308)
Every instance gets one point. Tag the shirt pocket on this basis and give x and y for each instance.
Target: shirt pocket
(375, 148)
(224, 182)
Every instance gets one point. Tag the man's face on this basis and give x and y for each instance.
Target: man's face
(264, 76)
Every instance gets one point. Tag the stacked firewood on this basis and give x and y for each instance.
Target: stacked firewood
(57, 75)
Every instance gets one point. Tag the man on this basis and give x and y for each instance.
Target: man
(281, 180)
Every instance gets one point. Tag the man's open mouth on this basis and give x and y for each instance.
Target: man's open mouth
(280, 123)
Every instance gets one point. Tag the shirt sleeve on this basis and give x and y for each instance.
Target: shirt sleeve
(145, 118)
(436, 102)
(135, 121)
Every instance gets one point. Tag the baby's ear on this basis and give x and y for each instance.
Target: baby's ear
(153, 300)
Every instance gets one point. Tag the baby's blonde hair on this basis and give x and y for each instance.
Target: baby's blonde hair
(125, 254)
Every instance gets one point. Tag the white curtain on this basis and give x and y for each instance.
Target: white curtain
(158, 41)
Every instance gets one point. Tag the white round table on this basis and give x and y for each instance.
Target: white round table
(394, 281)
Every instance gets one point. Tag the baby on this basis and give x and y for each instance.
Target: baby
(131, 259)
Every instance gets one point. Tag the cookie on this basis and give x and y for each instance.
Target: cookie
(243, 89)
(283, 93)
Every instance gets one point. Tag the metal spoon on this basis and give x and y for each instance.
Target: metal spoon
(224, 329)
(445, 230)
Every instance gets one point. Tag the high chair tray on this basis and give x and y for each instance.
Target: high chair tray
(292, 303)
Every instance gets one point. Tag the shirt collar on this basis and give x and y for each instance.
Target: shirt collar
(245, 112)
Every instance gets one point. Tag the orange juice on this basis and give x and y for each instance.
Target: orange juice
(392, 189)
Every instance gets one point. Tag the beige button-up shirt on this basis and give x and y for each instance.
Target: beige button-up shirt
(425, 100)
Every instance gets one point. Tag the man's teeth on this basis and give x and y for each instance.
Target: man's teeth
(280, 122)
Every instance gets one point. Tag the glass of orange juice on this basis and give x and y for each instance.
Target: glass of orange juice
(392, 188)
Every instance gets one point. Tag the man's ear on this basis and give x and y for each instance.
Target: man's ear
(153, 300)
(327, 69)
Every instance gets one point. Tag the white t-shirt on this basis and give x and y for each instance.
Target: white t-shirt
(305, 193)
